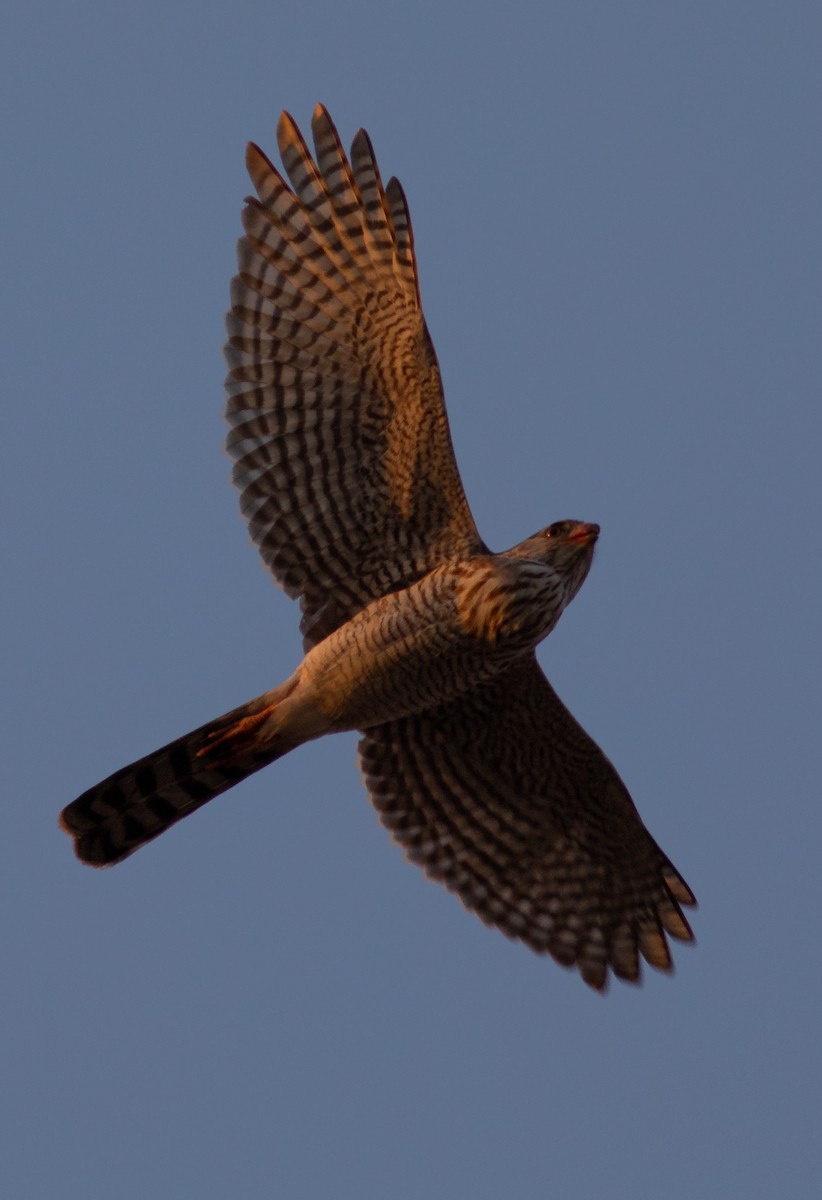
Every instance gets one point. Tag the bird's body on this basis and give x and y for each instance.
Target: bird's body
(456, 628)
(415, 633)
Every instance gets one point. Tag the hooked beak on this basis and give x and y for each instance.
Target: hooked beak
(585, 534)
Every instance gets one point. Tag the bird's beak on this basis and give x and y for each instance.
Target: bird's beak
(584, 534)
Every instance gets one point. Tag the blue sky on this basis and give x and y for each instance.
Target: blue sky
(616, 209)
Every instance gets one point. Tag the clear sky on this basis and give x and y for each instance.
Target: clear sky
(617, 212)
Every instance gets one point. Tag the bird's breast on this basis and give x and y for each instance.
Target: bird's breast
(508, 602)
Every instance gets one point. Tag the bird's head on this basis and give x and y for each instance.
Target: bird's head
(567, 546)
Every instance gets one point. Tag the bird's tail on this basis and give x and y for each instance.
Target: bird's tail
(139, 802)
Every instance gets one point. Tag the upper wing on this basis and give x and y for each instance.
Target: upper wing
(341, 444)
(504, 797)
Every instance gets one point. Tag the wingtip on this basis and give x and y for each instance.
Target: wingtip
(321, 123)
(598, 980)
(254, 155)
(362, 142)
(259, 166)
(287, 131)
(678, 888)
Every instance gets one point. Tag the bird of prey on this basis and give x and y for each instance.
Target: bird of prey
(415, 633)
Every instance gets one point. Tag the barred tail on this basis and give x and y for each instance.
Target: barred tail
(139, 802)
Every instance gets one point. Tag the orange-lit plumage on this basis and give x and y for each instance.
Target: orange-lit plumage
(414, 632)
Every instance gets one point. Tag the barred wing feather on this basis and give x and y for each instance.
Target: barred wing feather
(339, 434)
(503, 797)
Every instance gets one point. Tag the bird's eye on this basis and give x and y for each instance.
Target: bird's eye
(555, 530)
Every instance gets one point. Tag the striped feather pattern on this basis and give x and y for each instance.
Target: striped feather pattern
(338, 433)
(503, 797)
(347, 478)
(139, 802)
